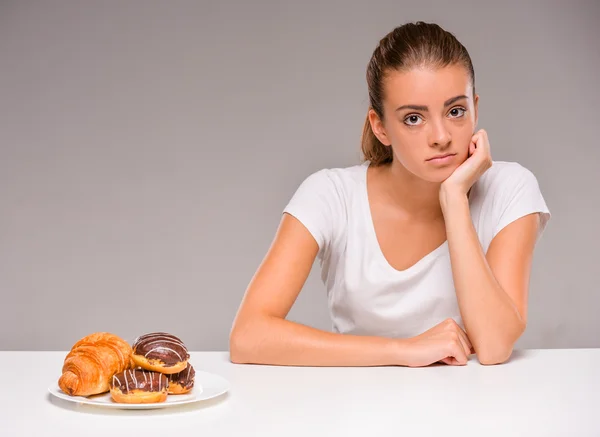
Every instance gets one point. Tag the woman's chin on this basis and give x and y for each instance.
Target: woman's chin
(438, 175)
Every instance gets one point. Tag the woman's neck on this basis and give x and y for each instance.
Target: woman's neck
(417, 198)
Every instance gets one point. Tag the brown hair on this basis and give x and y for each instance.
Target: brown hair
(410, 45)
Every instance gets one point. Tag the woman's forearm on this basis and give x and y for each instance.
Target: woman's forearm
(491, 319)
(276, 341)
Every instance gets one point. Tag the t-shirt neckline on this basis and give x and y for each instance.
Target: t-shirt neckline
(372, 235)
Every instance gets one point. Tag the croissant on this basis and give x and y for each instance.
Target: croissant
(91, 363)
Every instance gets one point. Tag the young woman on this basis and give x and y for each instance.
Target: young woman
(425, 247)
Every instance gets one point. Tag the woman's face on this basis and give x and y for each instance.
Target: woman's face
(428, 113)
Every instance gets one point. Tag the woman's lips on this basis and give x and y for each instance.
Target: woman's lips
(442, 159)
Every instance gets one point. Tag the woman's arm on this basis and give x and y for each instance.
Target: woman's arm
(260, 333)
(491, 291)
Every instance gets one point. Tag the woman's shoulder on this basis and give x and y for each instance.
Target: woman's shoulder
(343, 174)
(340, 181)
(504, 193)
(321, 202)
(504, 178)
(504, 171)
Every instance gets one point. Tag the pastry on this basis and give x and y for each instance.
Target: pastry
(160, 352)
(92, 362)
(138, 386)
(182, 382)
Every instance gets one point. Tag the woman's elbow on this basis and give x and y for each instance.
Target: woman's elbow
(236, 347)
(241, 345)
(496, 356)
(499, 351)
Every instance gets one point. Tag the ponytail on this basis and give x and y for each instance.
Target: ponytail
(374, 150)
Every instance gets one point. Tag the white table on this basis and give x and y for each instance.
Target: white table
(537, 393)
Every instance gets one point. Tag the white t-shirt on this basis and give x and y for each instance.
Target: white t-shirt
(366, 295)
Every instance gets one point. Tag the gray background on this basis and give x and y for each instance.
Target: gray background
(147, 149)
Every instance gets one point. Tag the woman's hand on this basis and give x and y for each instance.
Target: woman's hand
(446, 343)
(478, 162)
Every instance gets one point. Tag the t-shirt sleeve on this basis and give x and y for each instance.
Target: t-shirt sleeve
(518, 194)
(317, 204)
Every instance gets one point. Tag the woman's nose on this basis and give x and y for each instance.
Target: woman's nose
(440, 135)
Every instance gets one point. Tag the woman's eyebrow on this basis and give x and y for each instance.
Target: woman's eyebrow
(425, 108)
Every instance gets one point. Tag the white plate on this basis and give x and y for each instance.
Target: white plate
(206, 386)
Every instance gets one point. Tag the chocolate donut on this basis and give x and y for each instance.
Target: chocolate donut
(160, 352)
(182, 382)
(137, 386)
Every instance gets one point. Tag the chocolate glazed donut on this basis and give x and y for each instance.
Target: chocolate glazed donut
(139, 387)
(160, 352)
(182, 382)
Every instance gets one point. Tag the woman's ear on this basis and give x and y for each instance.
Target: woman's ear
(476, 110)
(378, 128)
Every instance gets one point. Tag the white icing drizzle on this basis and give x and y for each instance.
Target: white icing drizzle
(158, 336)
(179, 375)
(137, 382)
(166, 340)
(134, 378)
(126, 383)
(164, 348)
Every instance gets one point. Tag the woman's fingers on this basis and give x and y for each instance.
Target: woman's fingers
(464, 342)
(467, 342)
(458, 351)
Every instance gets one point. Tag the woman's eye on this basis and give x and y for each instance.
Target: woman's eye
(412, 120)
(457, 112)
